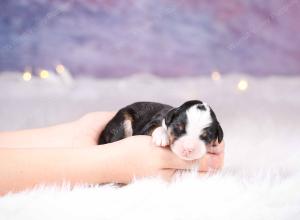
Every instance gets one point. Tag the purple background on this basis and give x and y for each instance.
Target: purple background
(167, 37)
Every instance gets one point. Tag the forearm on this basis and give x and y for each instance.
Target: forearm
(24, 168)
(39, 137)
(79, 133)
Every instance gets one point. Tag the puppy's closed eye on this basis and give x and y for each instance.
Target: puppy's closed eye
(179, 127)
(207, 137)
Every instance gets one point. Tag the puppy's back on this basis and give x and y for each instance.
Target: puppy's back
(139, 118)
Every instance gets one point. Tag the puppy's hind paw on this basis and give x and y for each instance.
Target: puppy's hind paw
(160, 137)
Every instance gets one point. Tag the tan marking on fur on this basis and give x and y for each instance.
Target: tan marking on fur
(171, 136)
(151, 131)
(127, 125)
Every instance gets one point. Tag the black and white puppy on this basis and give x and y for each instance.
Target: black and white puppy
(188, 129)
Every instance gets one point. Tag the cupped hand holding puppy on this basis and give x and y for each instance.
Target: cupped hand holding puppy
(68, 152)
(136, 156)
(140, 156)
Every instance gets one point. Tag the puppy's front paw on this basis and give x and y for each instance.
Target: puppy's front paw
(160, 137)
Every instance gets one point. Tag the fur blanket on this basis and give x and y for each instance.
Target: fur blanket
(260, 180)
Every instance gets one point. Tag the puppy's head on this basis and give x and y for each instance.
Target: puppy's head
(191, 128)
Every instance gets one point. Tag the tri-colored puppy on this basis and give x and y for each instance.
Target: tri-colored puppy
(188, 129)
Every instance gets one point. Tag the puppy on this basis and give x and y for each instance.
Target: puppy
(188, 129)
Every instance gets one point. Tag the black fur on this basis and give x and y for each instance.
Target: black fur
(213, 132)
(146, 117)
(175, 112)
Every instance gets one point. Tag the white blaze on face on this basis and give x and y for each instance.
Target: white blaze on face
(189, 146)
(197, 120)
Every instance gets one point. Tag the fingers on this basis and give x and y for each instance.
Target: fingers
(105, 117)
(96, 121)
(206, 163)
(211, 162)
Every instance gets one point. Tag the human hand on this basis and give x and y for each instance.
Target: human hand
(137, 156)
(214, 158)
(163, 163)
(86, 130)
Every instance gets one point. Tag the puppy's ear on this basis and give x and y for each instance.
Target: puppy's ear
(170, 116)
(219, 133)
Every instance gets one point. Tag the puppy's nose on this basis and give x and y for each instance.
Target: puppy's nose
(189, 146)
(187, 152)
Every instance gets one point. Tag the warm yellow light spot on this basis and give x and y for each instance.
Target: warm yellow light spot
(60, 68)
(44, 74)
(215, 75)
(26, 76)
(242, 85)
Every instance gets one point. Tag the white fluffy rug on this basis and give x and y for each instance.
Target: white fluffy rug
(260, 180)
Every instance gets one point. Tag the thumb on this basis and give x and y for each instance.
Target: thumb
(211, 162)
